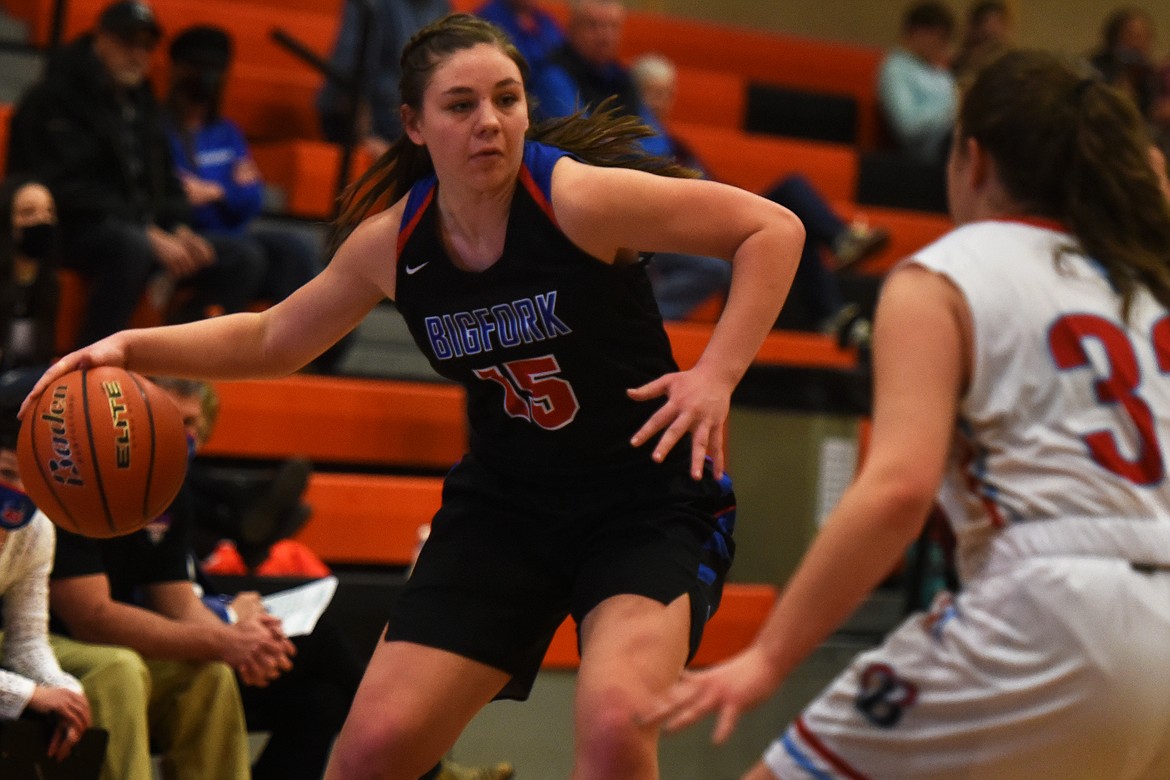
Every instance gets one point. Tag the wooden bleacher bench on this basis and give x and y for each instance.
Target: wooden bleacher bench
(306, 173)
(717, 98)
(757, 162)
(342, 420)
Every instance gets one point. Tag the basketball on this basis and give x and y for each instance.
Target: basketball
(103, 452)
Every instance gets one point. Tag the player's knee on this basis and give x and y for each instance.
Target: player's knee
(611, 734)
(384, 746)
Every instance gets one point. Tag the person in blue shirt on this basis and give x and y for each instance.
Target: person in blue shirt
(215, 165)
(585, 71)
(534, 31)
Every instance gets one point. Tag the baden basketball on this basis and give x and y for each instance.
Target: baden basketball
(103, 452)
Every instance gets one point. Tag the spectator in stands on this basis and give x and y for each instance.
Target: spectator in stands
(683, 281)
(1125, 59)
(916, 89)
(377, 112)
(215, 165)
(29, 252)
(135, 591)
(217, 172)
(32, 683)
(585, 70)
(534, 31)
(91, 129)
(989, 33)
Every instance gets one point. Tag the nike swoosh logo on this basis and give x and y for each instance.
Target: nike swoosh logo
(414, 269)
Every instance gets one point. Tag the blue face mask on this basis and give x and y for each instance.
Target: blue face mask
(16, 508)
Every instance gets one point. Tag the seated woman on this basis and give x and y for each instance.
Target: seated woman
(29, 253)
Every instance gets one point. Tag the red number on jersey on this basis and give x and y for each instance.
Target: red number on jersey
(534, 392)
(1066, 340)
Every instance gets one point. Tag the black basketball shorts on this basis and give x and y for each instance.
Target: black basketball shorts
(506, 561)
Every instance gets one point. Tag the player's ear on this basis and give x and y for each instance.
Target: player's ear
(410, 124)
(981, 166)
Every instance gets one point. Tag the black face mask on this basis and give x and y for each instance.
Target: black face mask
(37, 242)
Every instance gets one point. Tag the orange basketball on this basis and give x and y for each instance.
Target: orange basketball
(103, 452)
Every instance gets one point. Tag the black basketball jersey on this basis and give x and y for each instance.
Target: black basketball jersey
(546, 341)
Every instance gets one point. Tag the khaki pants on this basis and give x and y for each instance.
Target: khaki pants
(189, 712)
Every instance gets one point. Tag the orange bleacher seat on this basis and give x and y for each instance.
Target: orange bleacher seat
(272, 103)
(71, 308)
(306, 173)
(710, 97)
(756, 162)
(367, 519)
(342, 420)
(811, 350)
(768, 58)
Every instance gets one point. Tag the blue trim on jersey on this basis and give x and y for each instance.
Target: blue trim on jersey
(801, 759)
(417, 197)
(539, 159)
(948, 614)
(980, 470)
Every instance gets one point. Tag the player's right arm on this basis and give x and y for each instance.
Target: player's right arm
(921, 365)
(267, 344)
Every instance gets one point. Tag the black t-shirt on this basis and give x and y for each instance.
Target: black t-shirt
(156, 554)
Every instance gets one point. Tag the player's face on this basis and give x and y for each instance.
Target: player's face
(473, 118)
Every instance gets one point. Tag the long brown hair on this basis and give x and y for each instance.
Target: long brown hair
(1069, 147)
(600, 136)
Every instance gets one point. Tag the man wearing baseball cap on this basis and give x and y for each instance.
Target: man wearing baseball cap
(92, 130)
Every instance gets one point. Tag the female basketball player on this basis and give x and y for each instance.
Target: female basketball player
(511, 262)
(1021, 361)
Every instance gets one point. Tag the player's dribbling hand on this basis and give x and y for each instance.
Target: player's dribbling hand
(696, 403)
(110, 351)
(728, 690)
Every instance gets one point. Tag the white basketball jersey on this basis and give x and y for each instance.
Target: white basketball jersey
(1068, 410)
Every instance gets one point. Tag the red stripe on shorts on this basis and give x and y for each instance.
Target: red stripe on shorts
(834, 760)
